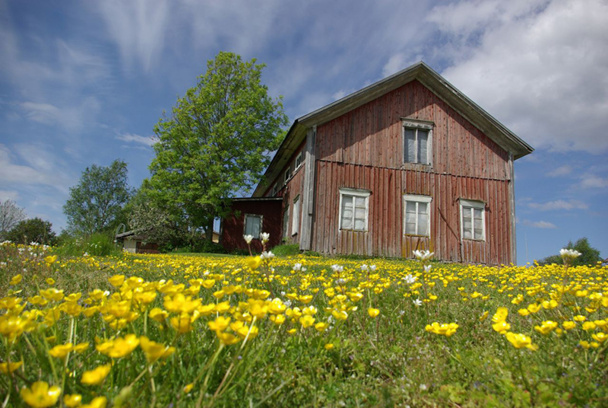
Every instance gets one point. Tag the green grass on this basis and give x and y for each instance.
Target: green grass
(389, 360)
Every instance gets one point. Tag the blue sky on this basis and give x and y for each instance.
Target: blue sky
(84, 82)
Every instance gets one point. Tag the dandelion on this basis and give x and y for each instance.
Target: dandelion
(40, 395)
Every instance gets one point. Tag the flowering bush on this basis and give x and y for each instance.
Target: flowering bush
(156, 330)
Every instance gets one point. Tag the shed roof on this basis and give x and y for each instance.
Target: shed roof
(420, 72)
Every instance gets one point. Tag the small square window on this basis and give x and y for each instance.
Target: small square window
(299, 159)
(417, 138)
(253, 225)
(417, 218)
(354, 209)
(472, 220)
(287, 175)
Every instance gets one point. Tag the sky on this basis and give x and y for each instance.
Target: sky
(84, 82)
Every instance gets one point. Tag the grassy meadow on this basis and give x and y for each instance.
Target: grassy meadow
(298, 331)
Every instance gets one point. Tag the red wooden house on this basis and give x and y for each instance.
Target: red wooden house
(406, 163)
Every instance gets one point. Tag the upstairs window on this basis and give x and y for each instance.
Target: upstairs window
(299, 160)
(354, 209)
(417, 218)
(472, 220)
(274, 190)
(253, 225)
(287, 175)
(295, 217)
(417, 141)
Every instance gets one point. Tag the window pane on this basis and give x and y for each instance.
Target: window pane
(467, 227)
(252, 225)
(347, 212)
(410, 145)
(423, 139)
(423, 219)
(478, 223)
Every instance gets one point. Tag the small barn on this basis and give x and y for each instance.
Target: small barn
(406, 163)
(136, 243)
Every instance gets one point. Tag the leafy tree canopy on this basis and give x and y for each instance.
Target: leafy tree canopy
(10, 216)
(216, 142)
(96, 203)
(589, 255)
(32, 230)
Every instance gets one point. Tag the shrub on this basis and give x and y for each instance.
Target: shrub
(286, 250)
(96, 245)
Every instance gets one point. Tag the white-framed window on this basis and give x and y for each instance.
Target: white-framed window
(253, 225)
(354, 209)
(274, 190)
(473, 220)
(417, 215)
(287, 175)
(417, 142)
(286, 222)
(299, 159)
(295, 216)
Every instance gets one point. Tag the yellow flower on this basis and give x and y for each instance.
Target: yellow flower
(589, 326)
(119, 347)
(219, 324)
(80, 347)
(546, 327)
(15, 280)
(600, 337)
(50, 259)
(321, 326)
(253, 262)
(501, 315)
(40, 395)
(72, 400)
(61, 351)
(227, 339)
(97, 375)
(188, 388)
(307, 321)
(328, 346)
(117, 280)
(8, 368)
(520, 341)
(50, 281)
(484, 316)
(97, 402)
(501, 327)
(569, 325)
(444, 329)
(153, 350)
(373, 312)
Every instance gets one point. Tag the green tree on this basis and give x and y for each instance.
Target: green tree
(216, 142)
(10, 215)
(32, 230)
(96, 203)
(589, 255)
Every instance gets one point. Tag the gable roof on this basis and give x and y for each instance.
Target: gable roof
(421, 72)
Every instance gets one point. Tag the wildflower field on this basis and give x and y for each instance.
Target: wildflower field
(185, 331)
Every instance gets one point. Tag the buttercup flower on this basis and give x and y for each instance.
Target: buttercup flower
(96, 376)
(40, 395)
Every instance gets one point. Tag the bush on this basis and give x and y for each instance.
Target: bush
(96, 245)
(33, 230)
(286, 250)
(589, 255)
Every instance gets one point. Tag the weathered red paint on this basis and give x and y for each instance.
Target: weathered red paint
(233, 225)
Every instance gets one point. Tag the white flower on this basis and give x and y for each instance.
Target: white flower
(569, 253)
(409, 278)
(423, 255)
(248, 238)
(267, 255)
(337, 268)
(417, 302)
(297, 267)
(340, 281)
(427, 268)
(364, 267)
(373, 268)
(264, 236)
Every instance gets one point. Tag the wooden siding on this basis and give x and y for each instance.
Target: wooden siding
(293, 190)
(372, 135)
(385, 218)
(364, 149)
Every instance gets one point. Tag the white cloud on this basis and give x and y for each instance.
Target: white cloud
(593, 182)
(539, 67)
(42, 167)
(559, 205)
(539, 224)
(72, 118)
(9, 195)
(133, 138)
(560, 171)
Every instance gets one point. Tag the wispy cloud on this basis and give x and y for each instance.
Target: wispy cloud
(560, 171)
(559, 205)
(31, 165)
(133, 138)
(591, 181)
(539, 224)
